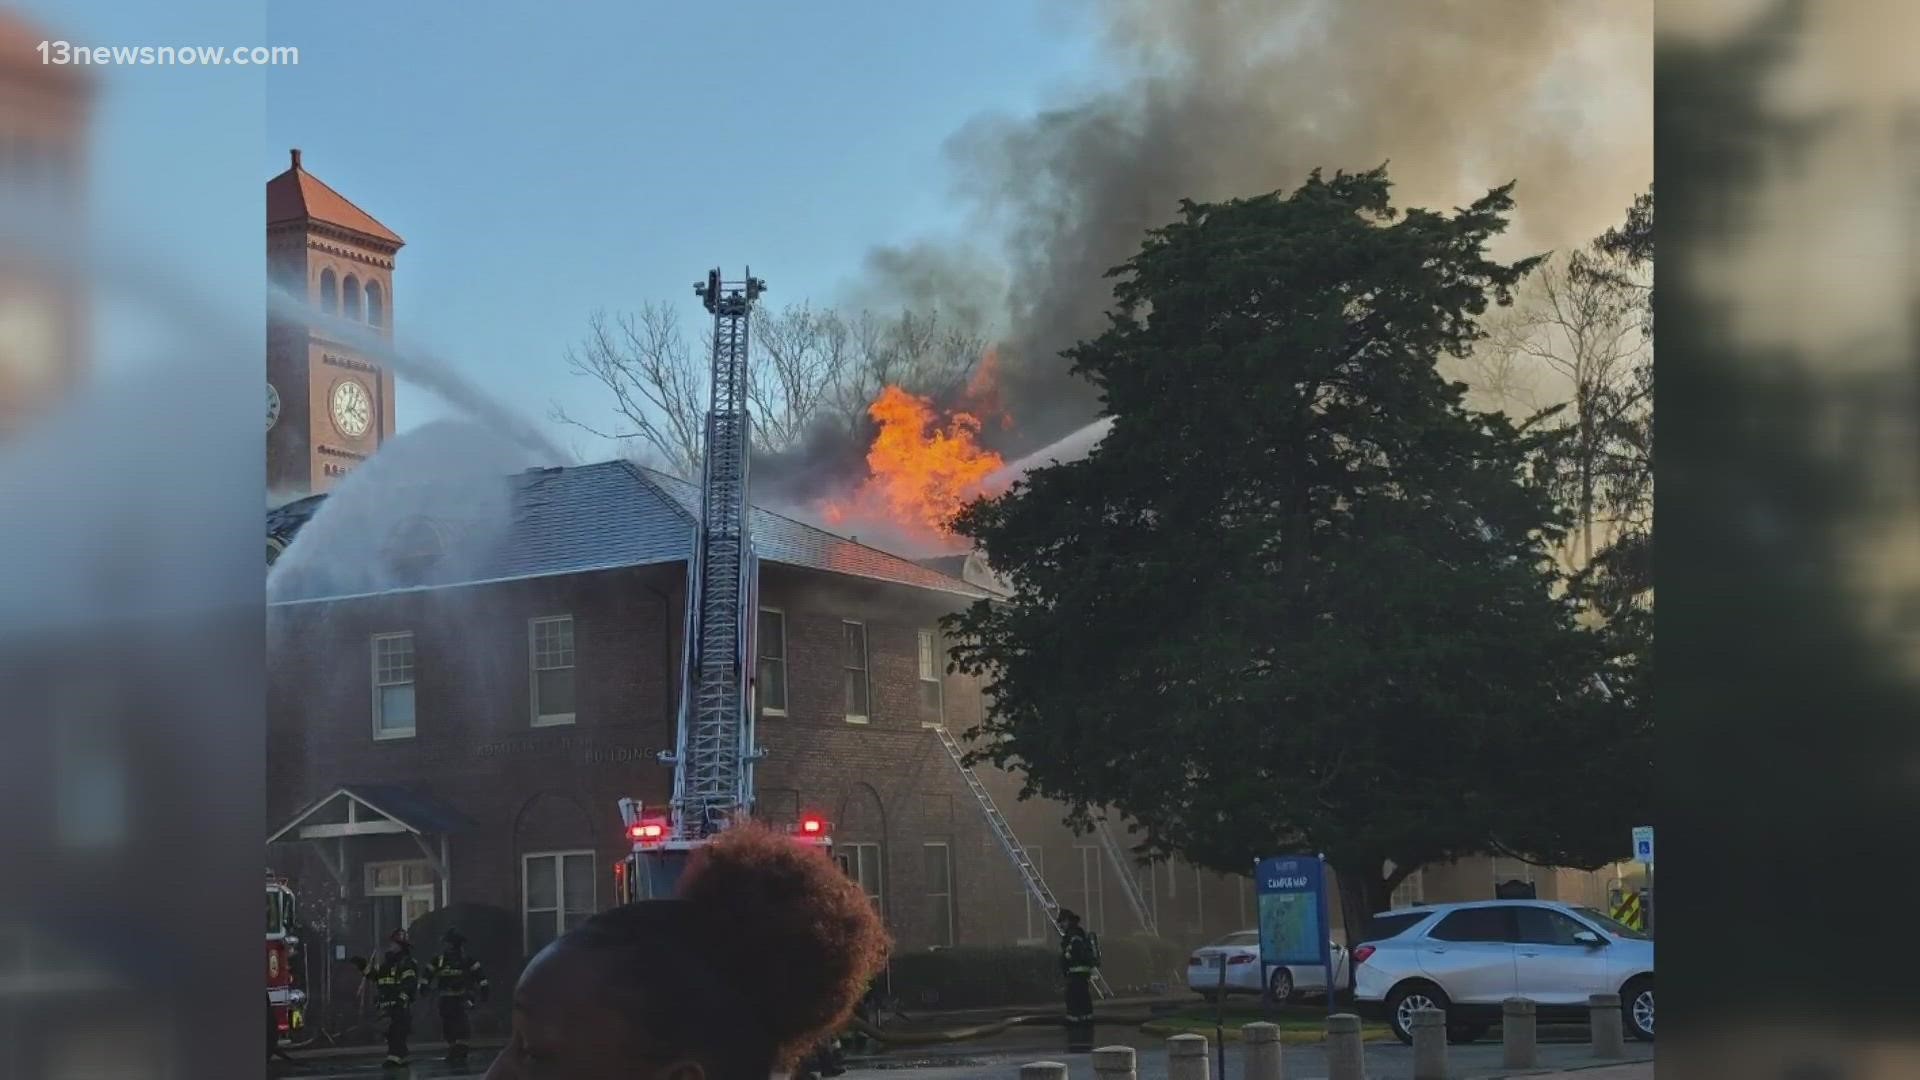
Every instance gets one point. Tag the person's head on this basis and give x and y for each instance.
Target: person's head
(454, 939)
(1068, 920)
(397, 942)
(767, 949)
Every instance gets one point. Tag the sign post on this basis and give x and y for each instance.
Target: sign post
(1643, 854)
(1292, 891)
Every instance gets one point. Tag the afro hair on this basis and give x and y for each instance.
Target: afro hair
(784, 915)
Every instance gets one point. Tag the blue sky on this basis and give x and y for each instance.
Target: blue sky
(543, 161)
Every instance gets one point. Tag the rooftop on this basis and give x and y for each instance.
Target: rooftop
(297, 196)
(563, 520)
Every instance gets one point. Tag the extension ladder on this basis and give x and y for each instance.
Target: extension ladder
(1129, 878)
(1003, 832)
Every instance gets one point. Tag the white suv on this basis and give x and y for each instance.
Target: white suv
(1466, 959)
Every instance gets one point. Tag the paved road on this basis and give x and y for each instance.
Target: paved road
(1002, 1059)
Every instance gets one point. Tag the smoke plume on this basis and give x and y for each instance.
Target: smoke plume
(1222, 98)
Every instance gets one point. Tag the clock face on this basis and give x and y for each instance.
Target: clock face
(273, 406)
(352, 408)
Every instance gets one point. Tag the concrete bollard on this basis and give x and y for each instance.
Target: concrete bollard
(1609, 1026)
(1429, 1045)
(1043, 1070)
(1114, 1063)
(1346, 1058)
(1520, 1034)
(1187, 1058)
(1263, 1052)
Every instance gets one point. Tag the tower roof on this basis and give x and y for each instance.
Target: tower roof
(297, 195)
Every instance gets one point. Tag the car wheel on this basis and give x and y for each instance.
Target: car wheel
(1408, 999)
(1280, 985)
(1462, 1034)
(1636, 1002)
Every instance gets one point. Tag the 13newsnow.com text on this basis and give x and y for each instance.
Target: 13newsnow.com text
(67, 53)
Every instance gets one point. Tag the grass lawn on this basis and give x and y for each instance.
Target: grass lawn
(1298, 1024)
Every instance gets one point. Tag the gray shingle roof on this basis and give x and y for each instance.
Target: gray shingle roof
(566, 520)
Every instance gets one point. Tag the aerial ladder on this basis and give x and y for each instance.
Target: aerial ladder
(714, 749)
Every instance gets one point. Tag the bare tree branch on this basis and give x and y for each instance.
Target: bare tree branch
(658, 390)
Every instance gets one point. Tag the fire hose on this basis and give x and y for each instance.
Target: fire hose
(887, 1037)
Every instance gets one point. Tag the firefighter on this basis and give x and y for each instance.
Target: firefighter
(459, 981)
(396, 982)
(1079, 959)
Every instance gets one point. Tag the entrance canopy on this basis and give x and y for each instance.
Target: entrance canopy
(360, 810)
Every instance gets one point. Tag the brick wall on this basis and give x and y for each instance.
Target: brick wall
(886, 781)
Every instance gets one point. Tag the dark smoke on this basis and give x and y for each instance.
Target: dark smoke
(1224, 98)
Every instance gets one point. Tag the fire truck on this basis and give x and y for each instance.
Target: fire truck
(286, 997)
(714, 751)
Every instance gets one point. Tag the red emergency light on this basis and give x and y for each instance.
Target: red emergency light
(813, 825)
(647, 832)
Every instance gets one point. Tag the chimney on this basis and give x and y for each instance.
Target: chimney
(296, 157)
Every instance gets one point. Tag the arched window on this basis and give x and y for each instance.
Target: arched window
(376, 308)
(350, 298)
(329, 293)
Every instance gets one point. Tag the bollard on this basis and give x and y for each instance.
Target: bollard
(1187, 1058)
(1043, 1070)
(1429, 1045)
(1263, 1052)
(1520, 1034)
(1113, 1063)
(1345, 1058)
(1609, 1034)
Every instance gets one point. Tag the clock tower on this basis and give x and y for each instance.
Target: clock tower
(44, 110)
(329, 401)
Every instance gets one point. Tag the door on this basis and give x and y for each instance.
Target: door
(1470, 954)
(1553, 968)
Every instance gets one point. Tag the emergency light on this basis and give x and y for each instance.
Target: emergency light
(812, 825)
(642, 832)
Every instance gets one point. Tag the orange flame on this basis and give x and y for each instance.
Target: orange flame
(919, 473)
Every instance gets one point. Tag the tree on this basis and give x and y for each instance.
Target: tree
(1301, 598)
(808, 367)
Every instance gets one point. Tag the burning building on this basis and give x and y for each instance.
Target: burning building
(461, 733)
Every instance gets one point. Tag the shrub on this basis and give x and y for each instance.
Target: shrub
(977, 976)
(1143, 964)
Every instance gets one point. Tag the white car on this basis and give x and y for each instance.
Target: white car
(1240, 954)
(1466, 959)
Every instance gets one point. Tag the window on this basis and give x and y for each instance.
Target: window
(329, 293)
(376, 308)
(931, 705)
(1545, 926)
(402, 893)
(861, 862)
(1475, 924)
(1505, 870)
(1383, 927)
(770, 680)
(550, 646)
(556, 895)
(1410, 892)
(350, 298)
(392, 686)
(1091, 895)
(855, 662)
(1038, 927)
(939, 893)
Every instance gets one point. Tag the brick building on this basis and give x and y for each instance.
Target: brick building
(482, 711)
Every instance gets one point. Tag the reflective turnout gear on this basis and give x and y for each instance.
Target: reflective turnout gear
(1079, 959)
(396, 983)
(459, 980)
